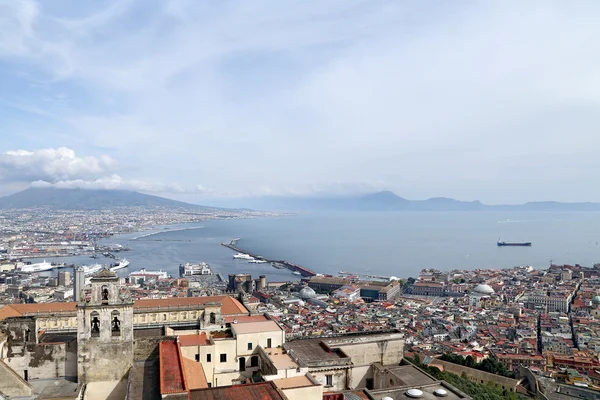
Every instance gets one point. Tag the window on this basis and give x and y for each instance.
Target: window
(328, 380)
(249, 346)
(95, 324)
(268, 343)
(223, 357)
(198, 357)
(115, 324)
(254, 361)
(208, 358)
(209, 384)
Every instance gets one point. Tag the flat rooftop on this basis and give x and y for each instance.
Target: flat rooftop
(409, 375)
(295, 382)
(313, 351)
(255, 327)
(283, 361)
(428, 392)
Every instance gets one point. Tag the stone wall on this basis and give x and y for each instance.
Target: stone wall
(477, 376)
(146, 348)
(45, 360)
(12, 384)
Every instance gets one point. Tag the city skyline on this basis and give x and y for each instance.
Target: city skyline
(198, 101)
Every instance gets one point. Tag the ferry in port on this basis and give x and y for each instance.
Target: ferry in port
(257, 261)
(242, 256)
(91, 269)
(147, 275)
(37, 267)
(120, 265)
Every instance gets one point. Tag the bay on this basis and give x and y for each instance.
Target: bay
(398, 243)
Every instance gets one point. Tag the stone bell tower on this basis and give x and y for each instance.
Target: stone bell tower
(104, 331)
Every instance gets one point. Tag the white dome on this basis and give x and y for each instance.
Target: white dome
(482, 288)
(308, 293)
(440, 392)
(414, 393)
(393, 278)
(387, 398)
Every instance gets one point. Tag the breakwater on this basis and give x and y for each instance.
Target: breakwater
(305, 272)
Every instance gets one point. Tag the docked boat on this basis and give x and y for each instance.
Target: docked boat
(147, 275)
(119, 265)
(91, 269)
(296, 273)
(242, 256)
(37, 267)
(257, 261)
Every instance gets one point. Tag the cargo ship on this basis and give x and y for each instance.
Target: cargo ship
(500, 244)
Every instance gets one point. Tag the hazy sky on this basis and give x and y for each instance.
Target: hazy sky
(490, 100)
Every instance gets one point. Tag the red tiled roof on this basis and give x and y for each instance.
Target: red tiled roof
(194, 340)
(171, 373)
(229, 306)
(255, 391)
(194, 373)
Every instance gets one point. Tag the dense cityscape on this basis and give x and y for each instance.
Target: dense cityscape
(531, 332)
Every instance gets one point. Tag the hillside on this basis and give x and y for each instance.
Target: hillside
(86, 199)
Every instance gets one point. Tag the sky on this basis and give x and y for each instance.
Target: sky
(205, 100)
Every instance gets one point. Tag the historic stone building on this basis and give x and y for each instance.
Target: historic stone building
(105, 331)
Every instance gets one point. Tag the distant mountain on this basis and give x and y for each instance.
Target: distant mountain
(86, 199)
(389, 201)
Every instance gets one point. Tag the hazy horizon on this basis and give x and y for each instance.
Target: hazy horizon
(223, 101)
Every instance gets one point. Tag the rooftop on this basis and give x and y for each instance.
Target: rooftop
(255, 327)
(410, 375)
(314, 351)
(428, 392)
(295, 382)
(229, 306)
(194, 340)
(256, 391)
(171, 373)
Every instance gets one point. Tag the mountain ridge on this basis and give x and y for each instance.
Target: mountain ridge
(88, 199)
(389, 201)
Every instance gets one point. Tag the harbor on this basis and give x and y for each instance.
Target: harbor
(295, 268)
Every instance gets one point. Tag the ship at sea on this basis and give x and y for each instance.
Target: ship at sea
(242, 256)
(501, 244)
(38, 267)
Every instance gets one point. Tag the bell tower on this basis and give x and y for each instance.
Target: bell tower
(104, 330)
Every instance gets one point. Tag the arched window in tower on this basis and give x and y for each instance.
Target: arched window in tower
(104, 295)
(213, 318)
(95, 322)
(115, 323)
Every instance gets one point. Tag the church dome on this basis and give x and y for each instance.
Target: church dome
(483, 289)
(308, 293)
(596, 299)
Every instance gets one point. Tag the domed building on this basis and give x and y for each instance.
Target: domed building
(307, 293)
(596, 300)
(480, 293)
(483, 289)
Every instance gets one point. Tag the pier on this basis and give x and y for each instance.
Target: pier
(368, 276)
(305, 272)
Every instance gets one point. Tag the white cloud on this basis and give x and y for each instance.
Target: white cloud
(111, 182)
(52, 165)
